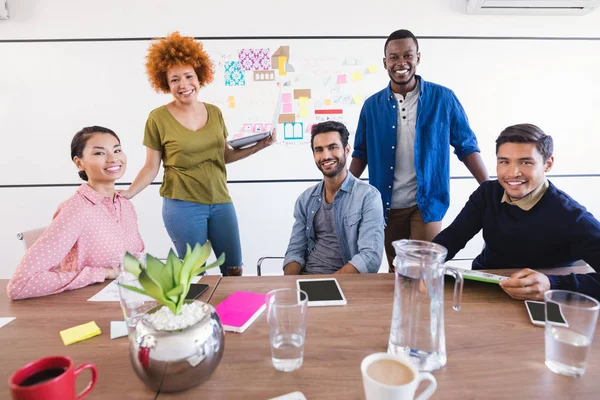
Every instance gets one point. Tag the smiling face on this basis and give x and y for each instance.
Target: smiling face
(521, 168)
(329, 153)
(183, 83)
(102, 159)
(401, 60)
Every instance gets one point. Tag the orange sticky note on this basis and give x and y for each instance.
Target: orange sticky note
(327, 102)
(231, 104)
(230, 99)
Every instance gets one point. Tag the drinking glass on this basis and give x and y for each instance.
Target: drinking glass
(134, 304)
(568, 344)
(286, 315)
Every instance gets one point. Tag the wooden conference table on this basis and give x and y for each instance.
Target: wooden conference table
(35, 334)
(493, 349)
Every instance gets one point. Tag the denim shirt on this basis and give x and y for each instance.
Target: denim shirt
(358, 219)
(441, 122)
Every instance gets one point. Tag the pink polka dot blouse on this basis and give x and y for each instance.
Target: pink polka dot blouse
(88, 233)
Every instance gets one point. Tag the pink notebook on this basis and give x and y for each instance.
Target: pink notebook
(240, 309)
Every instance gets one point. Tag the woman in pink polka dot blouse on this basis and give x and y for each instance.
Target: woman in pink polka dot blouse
(90, 231)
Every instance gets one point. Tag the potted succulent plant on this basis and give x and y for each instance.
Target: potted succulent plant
(178, 344)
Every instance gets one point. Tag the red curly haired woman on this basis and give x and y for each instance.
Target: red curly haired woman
(189, 137)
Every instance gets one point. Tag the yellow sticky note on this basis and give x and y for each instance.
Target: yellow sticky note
(303, 101)
(231, 104)
(327, 102)
(303, 112)
(230, 99)
(372, 69)
(79, 333)
(281, 64)
(356, 76)
(357, 98)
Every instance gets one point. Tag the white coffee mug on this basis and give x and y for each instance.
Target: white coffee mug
(375, 390)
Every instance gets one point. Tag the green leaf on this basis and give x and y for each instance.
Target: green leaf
(217, 263)
(159, 273)
(132, 264)
(176, 262)
(174, 293)
(134, 289)
(194, 259)
(153, 290)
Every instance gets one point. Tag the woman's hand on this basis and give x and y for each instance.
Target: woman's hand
(110, 273)
(125, 193)
(269, 140)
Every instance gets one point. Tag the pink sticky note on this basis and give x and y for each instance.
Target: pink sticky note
(287, 108)
(341, 79)
(286, 98)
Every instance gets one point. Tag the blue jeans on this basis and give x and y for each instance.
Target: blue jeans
(192, 223)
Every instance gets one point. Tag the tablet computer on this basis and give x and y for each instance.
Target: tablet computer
(257, 137)
(322, 292)
(248, 140)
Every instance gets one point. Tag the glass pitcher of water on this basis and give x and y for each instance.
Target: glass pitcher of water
(418, 316)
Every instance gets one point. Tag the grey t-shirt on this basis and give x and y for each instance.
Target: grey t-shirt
(404, 192)
(325, 257)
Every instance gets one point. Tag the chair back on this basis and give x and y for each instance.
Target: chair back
(29, 237)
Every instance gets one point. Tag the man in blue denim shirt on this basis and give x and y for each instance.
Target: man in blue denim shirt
(339, 222)
(404, 134)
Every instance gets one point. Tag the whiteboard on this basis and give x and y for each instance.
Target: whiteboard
(49, 90)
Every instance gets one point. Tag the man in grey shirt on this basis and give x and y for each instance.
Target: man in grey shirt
(338, 224)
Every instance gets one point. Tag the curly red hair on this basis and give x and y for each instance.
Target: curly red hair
(176, 50)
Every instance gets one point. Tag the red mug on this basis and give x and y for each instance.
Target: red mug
(49, 378)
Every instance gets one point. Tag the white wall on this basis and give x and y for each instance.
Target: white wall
(264, 210)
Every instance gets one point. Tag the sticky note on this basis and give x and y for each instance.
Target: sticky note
(231, 104)
(286, 97)
(118, 329)
(341, 79)
(230, 99)
(287, 107)
(372, 68)
(357, 98)
(302, 93)
(79, 333)
(356, 76)
(303, 101)
(303, 112)
(327, 102)
(282, 61)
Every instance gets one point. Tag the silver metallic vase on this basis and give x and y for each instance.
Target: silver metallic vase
(180, 359)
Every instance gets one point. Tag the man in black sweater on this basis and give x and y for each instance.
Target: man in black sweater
(527, 222)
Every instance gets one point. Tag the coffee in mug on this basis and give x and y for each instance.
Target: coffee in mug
(393, 377)
(49, 378)
(390, 372)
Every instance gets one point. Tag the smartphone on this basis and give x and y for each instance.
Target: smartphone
(322, 292)
(196, 289)
(537, 313)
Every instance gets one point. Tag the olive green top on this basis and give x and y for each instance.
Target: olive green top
(194, 161)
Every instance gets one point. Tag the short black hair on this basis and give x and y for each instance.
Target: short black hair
(401, 34)
(330, 126)
(80, 140)
(527, 133)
